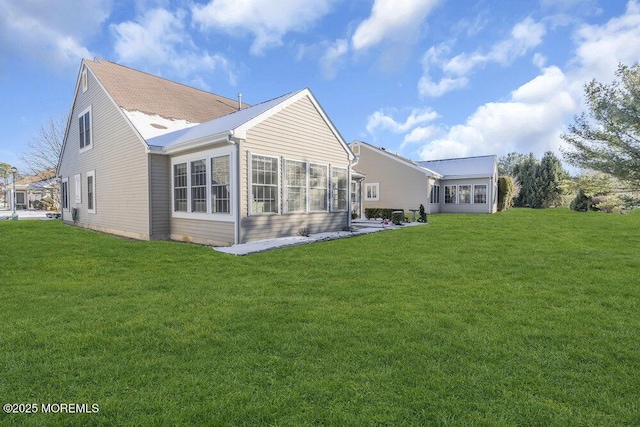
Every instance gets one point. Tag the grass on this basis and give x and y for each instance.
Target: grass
(519, 318)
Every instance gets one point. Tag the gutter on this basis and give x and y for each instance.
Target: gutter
(225, 136)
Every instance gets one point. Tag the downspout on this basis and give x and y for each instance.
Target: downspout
(238, 193)
(349, 194)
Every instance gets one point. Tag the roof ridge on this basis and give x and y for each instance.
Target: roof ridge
(458, 158)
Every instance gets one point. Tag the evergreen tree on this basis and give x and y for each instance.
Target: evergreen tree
(608, 139)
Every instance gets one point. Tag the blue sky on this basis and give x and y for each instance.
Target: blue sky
(428, 79)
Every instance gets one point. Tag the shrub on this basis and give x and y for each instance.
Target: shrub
(506, 192)
(303, 231)
(423, 214)
(374, 213)
(397, 217)
(582, 202)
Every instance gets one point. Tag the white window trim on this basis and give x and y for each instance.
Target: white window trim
(486, 194)
(84, 80)
(85, 111)
(374, 185)
(444, 194)
(250, 185)
(93, 195)
(77, 188)
(347, 190)
(206, 155)
(470, 202)
(285, 189)
(68, 208)
(328, 187)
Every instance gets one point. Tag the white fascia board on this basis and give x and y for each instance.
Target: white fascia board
(225, 137)
(410, 164)
(446, 177)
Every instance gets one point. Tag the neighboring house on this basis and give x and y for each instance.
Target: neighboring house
(148, 158)
(455, 185)
(468, 184)
(391, 181)
(31, 189)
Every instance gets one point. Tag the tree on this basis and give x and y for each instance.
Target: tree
(44, 150)
(508, 163)
(549, 181)
(5, 172)
(608, 138)
(541, 183)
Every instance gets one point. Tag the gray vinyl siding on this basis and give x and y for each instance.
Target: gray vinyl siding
(216, 233)
(298, 132)
(400, 185)
(160, 190)
(120, 162)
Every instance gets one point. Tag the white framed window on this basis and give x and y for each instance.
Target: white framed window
(64, 194)
(464, 194)
(77, 181)
(318, 187)
(450, 194)
(221, 184)
(202, 185)
(434, 197)
(91, 192)
(84, 81)
(264, 184)
(85, 130)
(480, 193)
(372, 191)
(340, 189)
(198, 185)
(295, 185)
(180, 187)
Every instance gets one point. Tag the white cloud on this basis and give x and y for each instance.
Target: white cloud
(158, 38)
(524, 36)
(601, 48)
(428, 88)
(379, 120)
(395, 20)
(268, 20)
(51, 33)
(332, 57)
(530, 121)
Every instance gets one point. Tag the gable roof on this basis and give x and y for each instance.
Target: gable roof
(397, 158)
(468, 167)
(223, 125)
(134, 90)
(236, 125)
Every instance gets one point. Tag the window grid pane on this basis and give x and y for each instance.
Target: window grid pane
(90, 192)
(296, 185)
(464, 194)
(199, 186)
(450, 194)
(340, 189)
(480, 194)
(180, 187)
(264, 184)
(220, 184)
(318, 188)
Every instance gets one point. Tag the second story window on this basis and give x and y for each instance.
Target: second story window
(84, 123)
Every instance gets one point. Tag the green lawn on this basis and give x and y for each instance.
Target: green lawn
(525, 317)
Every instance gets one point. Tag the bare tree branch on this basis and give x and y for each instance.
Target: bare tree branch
(44, 149)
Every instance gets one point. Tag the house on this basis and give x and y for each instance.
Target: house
(390, 181)
(468, 184)
(148, 158)
(454, 185)
(30, 190)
